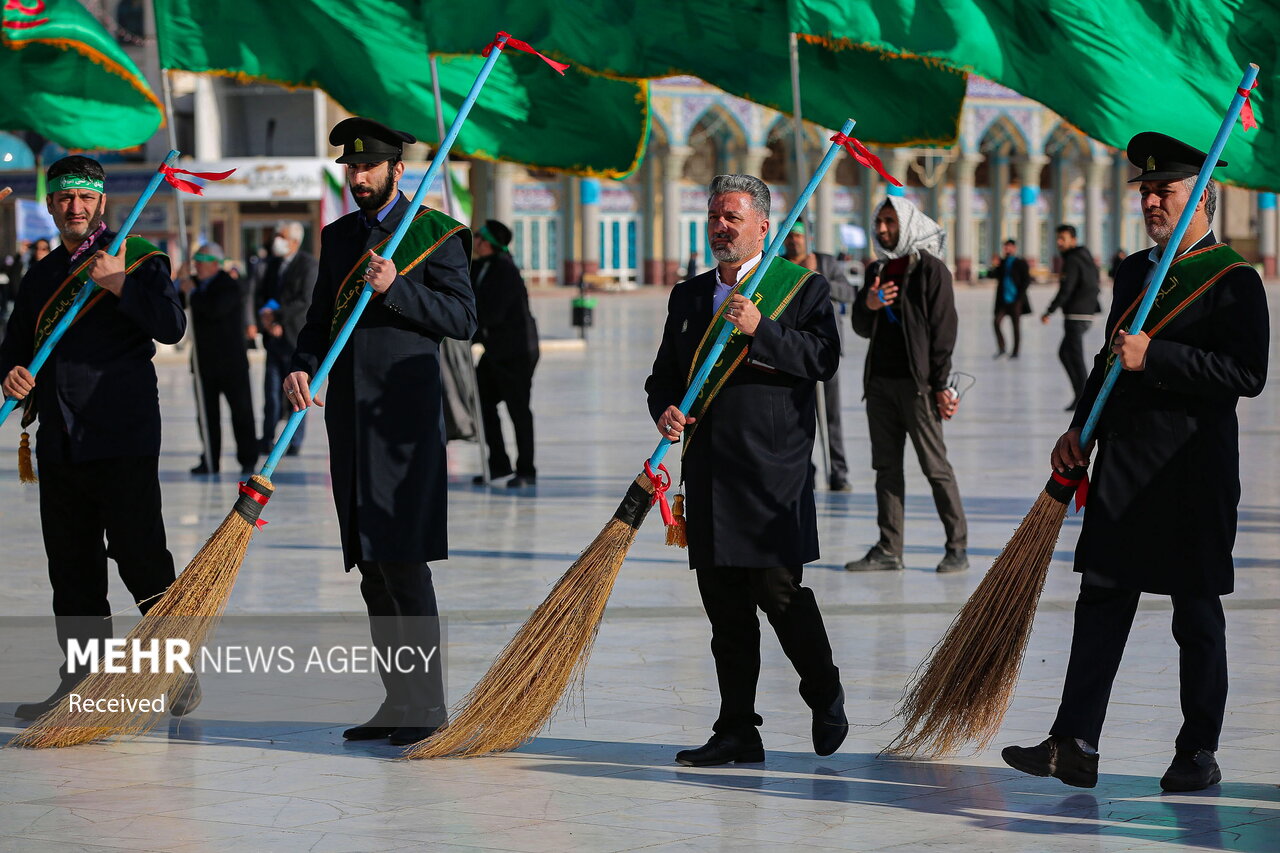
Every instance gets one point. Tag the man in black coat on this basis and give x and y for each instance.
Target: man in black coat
(797, 250)
(98, 445)
(1078, 298)
(384, 416)
(510, 338)
(1161, 514)
(282, 304)
(749, 484)
(1013, 277)
(907, 308)
(217, 319)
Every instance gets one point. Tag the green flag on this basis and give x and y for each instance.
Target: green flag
(739, 46)
(371, 57)
(1112, 68)
(67, 79)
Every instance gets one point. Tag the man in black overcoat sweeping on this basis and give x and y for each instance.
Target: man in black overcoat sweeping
(1161, 515)
(384, 415)
(748, 481)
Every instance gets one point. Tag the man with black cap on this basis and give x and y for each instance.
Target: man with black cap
(510, 338)
(384, 415)
(1162, 505)
(217, 319)
(98, 445)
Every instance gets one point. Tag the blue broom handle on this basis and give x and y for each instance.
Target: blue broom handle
(437, 163)
(749, 289)
(1171, 249)
(42, 354)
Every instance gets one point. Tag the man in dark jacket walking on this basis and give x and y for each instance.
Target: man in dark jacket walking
(510, 338)
(384, 417)
(1078, 298)
(907, 309)
(217, 321)
(1013, 277)
(752, 522)
(282, 306)
(1161, 516)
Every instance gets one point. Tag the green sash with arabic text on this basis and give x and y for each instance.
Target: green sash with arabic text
(1189, 278)
(428, 231)
(781, 282)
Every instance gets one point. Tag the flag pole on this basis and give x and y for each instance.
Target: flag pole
(183, 251)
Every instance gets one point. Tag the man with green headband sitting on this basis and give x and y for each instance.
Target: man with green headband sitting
(98, 444)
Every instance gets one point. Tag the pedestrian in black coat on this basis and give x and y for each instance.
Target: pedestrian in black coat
(282, 302)
(98, 445)
(510, 338)
(384, 411)
(748, 479)
(1077, 296)
(1013, 277)
(217, 320)
(1161, 514)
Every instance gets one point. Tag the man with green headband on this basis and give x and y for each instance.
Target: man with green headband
(98, 445)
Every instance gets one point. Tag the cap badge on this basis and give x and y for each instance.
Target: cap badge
(359, 146)
(1151, 162)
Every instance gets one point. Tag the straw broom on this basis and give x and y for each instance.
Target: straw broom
(960, 694)
(520, 692)
(194, 603)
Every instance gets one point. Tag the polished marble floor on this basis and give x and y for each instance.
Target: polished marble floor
(262, 765)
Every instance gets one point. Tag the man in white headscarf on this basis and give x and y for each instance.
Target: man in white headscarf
(907, 309)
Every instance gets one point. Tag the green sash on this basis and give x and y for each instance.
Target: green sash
(427, 232)
(1189, 278)
(781, 282)
(137, 251)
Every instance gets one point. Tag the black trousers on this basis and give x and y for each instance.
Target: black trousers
(1102, 622)
(835, 430)
(1013, 312)
(274, 406)
(731, 596)
(232, 383)
(1071, 353)
(401, 601)
(513, 385)
(897, 411)
(90, 511)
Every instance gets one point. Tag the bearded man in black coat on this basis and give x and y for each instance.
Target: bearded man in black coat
(1161, 515)
(749, 483)
(385, 416)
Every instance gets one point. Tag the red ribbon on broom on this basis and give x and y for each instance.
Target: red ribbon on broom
(171, 178)
(860, 152)
(522, 45)
(1246, 110)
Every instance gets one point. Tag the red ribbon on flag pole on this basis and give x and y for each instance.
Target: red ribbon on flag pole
(170, 176)
(521, 45)
(1246, 111)
(859, 152)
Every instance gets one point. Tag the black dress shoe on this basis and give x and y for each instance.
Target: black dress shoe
(956, 560)
(36, 710)
(406, 735)
(876, 560)
(385, 721)
(830, 727)
(1191, 770)
(292, 450)
(838, 483)
(519, 481)
(1059, 757)
(202, 470)
(722, 749)
(188, 697)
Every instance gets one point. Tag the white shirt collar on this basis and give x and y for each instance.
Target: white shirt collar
(743, 272)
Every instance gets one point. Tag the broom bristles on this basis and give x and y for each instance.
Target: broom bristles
(960, 693)
(522, 689)
(188, 610)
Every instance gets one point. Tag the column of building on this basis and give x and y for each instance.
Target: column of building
(672, 172)
(1029, 169)
(1267, 232)
(965, 166)
(1095, 176)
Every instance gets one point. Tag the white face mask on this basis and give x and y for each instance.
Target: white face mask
(279, 246)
